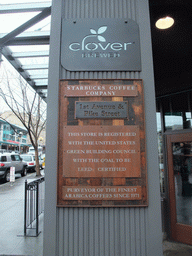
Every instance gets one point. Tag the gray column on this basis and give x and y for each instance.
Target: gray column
(102, 231)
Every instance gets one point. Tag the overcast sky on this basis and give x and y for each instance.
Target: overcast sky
(13, 20)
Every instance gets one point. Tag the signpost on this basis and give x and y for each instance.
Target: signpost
(12, 175)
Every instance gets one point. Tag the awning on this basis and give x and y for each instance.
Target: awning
(12, 143)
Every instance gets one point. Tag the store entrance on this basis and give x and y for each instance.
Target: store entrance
(179, 152)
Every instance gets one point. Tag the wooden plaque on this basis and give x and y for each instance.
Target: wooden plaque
(102, 161)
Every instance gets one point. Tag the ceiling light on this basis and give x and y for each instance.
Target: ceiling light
(164, 23)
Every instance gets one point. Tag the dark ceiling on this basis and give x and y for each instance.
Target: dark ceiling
(172, 48)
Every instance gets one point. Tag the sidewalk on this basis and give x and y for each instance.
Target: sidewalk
(12, 241)
(176, 249)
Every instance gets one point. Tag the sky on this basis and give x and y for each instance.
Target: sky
(4, 65)
(21, 1)
(13, 20)
(9, 74)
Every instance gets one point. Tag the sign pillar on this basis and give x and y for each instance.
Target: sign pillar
(102, 193)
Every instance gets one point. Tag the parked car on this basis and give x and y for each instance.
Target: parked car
(8, 160)
(40, 162)
(30, 160)
(32, 150)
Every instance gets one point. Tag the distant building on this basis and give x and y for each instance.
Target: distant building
(13, 119)
(13, 137)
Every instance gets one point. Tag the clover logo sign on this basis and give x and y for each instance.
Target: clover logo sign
(95, 33)
(101, 30)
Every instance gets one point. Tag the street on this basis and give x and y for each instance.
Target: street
(12, 241)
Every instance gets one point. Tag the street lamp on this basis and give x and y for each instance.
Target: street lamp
(40, 140)
(164, 23)
(19, 137)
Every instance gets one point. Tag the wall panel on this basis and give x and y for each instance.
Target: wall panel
(101, 231)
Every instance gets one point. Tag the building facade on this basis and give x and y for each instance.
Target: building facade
(14, 120)
(13, 137)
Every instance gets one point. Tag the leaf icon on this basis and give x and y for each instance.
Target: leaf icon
(93, 31)
(101, 38)
(102, 29)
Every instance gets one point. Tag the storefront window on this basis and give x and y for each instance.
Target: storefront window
(182, 166)
(188, 120)
(173, 121)
(173, 113)
(177, 111)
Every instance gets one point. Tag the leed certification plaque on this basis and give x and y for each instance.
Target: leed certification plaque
(92, 151)
(101, 144)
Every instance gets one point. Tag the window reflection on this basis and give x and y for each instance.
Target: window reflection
(173, 121)
(176, 110)
(182, 164)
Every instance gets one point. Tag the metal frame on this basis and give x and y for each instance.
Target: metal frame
(26, 7)
(19, 37)
(179, 232)
(33, 206)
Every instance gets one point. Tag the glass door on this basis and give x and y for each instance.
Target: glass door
(179, 150)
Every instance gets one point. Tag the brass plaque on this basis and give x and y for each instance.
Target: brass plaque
(94, 151)
(101, 161)
(102, 193)
(101, 109)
